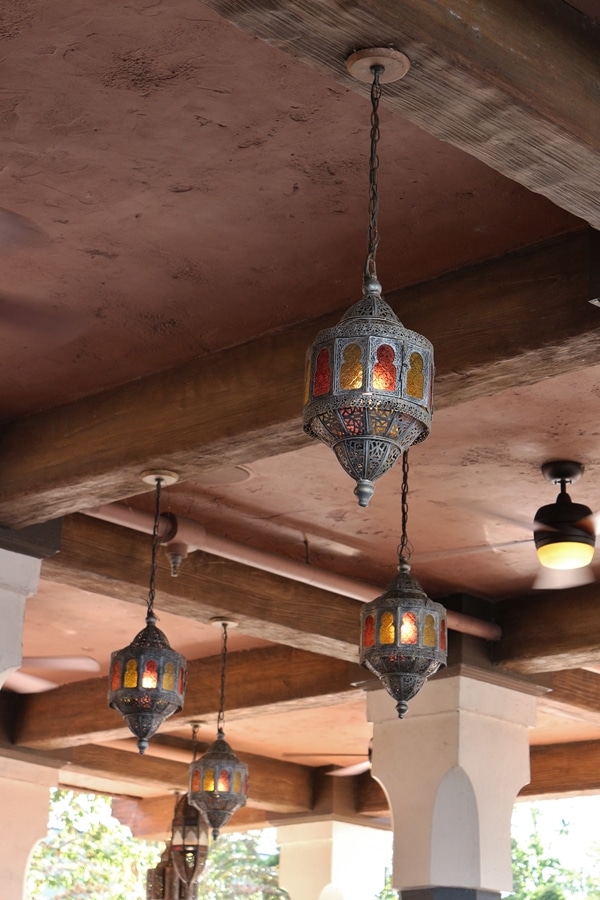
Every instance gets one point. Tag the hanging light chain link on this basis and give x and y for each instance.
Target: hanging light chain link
(155, 546)
(373, 234)
(221, 716)
(405, 548)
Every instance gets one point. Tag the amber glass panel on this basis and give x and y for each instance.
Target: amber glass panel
(237, 782)
(322, 381)
(150, 676)
(115, 682)
(131, 674)
(351, 373)
(387, 629)
(369, 633)
(415, 380)
(408, 629)
(224, 780)
(208, 783)
(384, 371)
(429, 632)
(168, 682)
(181, 680)
(195, 780)
(443, 635)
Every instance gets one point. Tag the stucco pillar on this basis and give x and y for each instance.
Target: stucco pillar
(25, 793)
(452, 770)
(19, 578)
(332, 860)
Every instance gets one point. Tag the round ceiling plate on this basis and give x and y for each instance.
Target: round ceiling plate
(562, 470)
(165, 476)
(224, 620)
(395, 64)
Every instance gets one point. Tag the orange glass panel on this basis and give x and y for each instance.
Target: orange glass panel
(415, 380)
(387, 629)
(150, 676)
(408, 629)
(237, 782)
(195, 780)
(351, 373)
(131, 674)
(168, 682)
(429, 632)
(443, 635)
(322, 380)
(115, 682)
(369, 632)
(384, 371)
(181, 680)
(223, 783)
(208, 783)
(307, 383)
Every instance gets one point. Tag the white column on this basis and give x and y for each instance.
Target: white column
(19, 578)
(25, 793)
(452, 770)
(332, 860)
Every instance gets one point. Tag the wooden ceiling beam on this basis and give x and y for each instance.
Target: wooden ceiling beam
(77, 713)
(107, 559)
(549, 631)
(514, 84)
(284, 787)
(520, 318)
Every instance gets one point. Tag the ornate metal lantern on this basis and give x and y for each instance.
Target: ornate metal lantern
(163, 882)
(218, 781)
(369, 380)
(403, 636)
(189, 845)
(147, 678)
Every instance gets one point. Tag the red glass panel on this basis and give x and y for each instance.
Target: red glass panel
(369, 632)
(195, 780)
(223, 782)
(408, 629)
(322, 380)
(443, 635)
(384, 371)
(150, 676)
(115, 682)
(181, 680)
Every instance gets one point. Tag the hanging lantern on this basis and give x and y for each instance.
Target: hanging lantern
(369, 380)
(147, 679)
(403, 636)
(163, 882)
(189, 845)
(218, 781)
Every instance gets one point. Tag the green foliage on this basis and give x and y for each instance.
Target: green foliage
(236, 868)
(88, 854)
(387, 892)
(537, 875)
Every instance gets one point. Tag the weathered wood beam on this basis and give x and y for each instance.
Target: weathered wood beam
(274, 784)
(514, 84)
(150, 819)
(550, 631)
(520, 318)
(77, 713)
(574, 694)
(104, 558)
(564, 768)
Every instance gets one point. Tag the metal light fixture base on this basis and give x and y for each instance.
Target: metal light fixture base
(395, 64)
(558, 470)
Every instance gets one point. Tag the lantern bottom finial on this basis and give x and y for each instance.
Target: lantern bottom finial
(364, 490)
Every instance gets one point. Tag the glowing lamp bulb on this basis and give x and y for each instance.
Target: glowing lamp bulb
(565, 555)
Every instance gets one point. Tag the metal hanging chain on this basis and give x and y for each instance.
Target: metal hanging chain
(155, 546)
(373, 234)
(405, 548)
(221, 716)
(195, 729)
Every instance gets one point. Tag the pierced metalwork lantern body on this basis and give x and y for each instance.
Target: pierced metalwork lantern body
(369, 389)
(147, 682)
(403, 638)
(163, 882)
(189, 844)
(218, 784)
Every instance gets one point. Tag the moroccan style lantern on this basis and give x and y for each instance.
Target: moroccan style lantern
(147, 678)
(162, 882)
(403, 636)
(218, 781)
(369, 381)
(189, 845)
